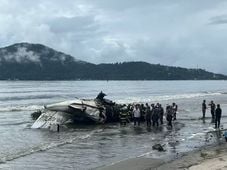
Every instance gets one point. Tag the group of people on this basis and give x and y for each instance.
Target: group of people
(153, 114)
(215, 111)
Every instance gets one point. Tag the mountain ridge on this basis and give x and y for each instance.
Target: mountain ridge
(26, 61)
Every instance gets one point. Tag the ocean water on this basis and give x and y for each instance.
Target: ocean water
(89, 147)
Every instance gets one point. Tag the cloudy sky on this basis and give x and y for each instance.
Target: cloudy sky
(187, 33)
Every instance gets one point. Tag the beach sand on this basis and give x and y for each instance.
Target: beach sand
(218, 163)
(212, 158)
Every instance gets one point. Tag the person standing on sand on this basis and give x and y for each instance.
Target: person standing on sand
(123, 116)
(155, 116)
(136, 115)
(218, 113)
(148, 116)
(169, 115)
(204, 107)
(142, 112)
(161, 113)
(174, 107)
(212, 111)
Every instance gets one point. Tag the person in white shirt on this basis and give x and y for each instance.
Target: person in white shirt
(136, 115)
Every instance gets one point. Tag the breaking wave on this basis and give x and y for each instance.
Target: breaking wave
(26, 97)
(128, 99)
(20, 108)
(15, 123)
(166, 97)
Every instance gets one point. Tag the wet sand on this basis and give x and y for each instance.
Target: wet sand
(207, 158)
(211, 156)
(134, 164)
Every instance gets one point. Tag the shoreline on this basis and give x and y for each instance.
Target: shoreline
(207, 157)
(199, 159)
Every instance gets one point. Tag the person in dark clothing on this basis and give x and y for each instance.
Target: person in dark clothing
(174, 108)
(152, 108)
(148, 116)
(101, 95)
(161, 113)
(225, 135)
(155, 116)
(142, 112)
(204, 107)
(58, 128)
(169, 115)
(123, 116)
(212, 111)
(218, 113)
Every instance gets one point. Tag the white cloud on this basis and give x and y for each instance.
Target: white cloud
(21, 56)
(180, 33)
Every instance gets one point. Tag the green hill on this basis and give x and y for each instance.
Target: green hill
(26, 61)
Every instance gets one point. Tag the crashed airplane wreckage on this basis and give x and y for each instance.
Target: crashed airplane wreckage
(98, 110)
